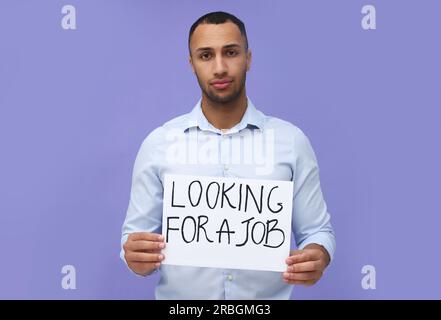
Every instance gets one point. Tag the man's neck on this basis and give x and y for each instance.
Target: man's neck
(224, 115)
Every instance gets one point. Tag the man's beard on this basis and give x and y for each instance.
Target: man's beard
(213, 97)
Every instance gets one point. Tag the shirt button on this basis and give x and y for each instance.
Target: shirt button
(230, 277)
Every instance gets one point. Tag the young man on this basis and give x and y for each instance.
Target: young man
(220, 59)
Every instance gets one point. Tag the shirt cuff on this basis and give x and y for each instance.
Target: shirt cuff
(325, 239)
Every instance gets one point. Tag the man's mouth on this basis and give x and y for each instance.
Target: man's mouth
(221, 84)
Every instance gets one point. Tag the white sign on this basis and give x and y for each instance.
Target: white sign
(227, 222)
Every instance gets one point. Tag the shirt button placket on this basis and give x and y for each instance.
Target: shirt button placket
(225, 154)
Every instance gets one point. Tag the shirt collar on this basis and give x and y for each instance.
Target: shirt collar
(251, 118)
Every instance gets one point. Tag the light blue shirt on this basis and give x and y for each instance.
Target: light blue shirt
(259, 147)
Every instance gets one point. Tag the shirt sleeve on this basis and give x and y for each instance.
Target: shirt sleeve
(144, 212)
(311, 220)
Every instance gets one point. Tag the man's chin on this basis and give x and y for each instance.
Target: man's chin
(224, 99)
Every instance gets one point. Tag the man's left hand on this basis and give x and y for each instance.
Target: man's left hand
(306, 267)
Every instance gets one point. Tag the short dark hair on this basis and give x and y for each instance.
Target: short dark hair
(219, 17)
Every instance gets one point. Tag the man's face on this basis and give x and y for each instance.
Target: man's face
(220, 60)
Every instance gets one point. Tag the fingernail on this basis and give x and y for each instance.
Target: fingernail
(161, 257)
(162, 245)
(157, 265)
(161, 237)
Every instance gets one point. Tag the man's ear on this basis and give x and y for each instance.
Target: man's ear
(249, 56)
(191, 63)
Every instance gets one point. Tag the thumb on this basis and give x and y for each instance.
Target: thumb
(293, 253)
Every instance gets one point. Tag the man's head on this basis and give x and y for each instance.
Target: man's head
(219, 55)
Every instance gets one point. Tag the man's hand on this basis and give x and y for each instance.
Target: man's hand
(306, 266)
(142, 252)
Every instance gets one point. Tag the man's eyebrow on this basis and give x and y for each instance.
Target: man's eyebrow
(233, 45)
(204, 49)
(228, 46)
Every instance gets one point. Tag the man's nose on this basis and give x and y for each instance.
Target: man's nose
(220, 67)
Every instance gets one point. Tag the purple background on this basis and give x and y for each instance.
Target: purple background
(76, 105)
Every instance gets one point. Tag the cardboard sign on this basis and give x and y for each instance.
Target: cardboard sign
(227, 222)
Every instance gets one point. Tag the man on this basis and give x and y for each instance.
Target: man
(220, 59)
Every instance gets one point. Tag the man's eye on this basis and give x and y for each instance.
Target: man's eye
(231, 53)
(205, 56)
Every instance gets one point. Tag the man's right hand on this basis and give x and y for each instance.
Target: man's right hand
(142, 252)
